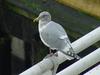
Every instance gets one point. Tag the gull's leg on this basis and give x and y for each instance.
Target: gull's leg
(55, 52)
(50, 52)
(49, 55)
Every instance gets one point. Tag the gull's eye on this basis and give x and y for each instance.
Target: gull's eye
(44, 15)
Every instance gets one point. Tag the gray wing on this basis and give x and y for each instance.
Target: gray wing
(56, 31)
(58, 38)
(57, 28)
(64, 36)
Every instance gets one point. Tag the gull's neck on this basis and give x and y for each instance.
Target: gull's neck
(42, 24)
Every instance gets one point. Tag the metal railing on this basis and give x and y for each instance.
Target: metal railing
(44, 67)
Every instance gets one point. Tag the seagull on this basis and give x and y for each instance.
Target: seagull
(53, 35)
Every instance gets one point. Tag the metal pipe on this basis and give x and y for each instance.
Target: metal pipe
(78, 46)
(82, 64)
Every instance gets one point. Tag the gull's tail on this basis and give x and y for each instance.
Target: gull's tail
(71, 54)
(71, 51)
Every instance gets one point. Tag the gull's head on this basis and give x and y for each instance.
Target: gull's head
(43, 16)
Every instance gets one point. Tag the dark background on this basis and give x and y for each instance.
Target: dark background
(14, 24)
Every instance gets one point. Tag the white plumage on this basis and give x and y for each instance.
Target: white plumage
(53, 34)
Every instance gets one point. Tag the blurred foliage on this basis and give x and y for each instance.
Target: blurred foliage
(75, 22)
(92, 7)
(16, 7)
(19, 10)
(93, 1)
(76, 27)
(30, 4)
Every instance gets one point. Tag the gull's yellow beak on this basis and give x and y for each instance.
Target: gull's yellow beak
(36, 19)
